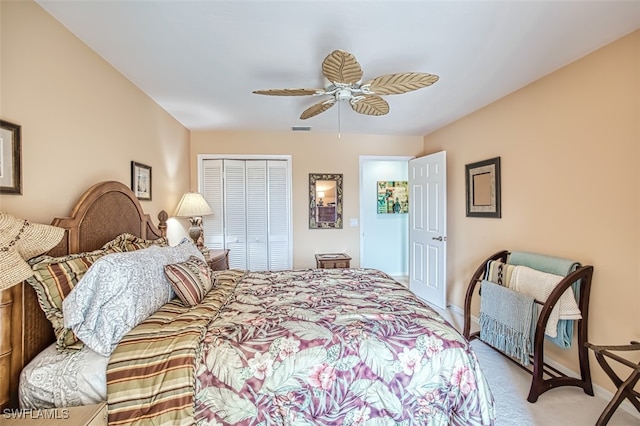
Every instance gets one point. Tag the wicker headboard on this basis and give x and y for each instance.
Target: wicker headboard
(104, 211)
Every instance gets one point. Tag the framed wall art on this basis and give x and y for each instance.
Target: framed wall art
(483, 188)
(141, 180)
(393, 196)
(10, 158)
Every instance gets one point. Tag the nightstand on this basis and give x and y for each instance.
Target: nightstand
(218, 260)
(86, 415)
(332, 260)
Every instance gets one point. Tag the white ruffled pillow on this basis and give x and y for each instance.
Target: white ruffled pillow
(119, 291)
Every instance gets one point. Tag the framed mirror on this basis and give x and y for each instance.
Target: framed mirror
(325, 201)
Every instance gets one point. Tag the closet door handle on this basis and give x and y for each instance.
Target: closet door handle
(439, 238)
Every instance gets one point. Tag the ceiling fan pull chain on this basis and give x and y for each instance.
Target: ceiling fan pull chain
(339, 109)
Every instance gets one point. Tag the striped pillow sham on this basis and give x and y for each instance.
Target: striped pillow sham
(191, 280)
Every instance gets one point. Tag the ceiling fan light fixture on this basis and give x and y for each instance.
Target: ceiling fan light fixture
(343, 95)
(344, 76)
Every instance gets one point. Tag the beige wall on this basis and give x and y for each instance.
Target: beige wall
(311, 153)
(82, 121)
(570, 151)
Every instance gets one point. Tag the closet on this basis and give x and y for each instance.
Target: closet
(252, 211)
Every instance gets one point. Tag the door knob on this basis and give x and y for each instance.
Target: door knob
(439, 238)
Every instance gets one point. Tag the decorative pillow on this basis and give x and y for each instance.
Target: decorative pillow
(190, 280)
(129, 242)
(119, 292)
(53, 279)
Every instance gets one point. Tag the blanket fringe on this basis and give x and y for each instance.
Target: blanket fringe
(505, 338)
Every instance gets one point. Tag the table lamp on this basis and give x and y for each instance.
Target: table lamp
(194, 206)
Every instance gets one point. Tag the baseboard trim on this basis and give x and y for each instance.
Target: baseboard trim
(460, 312)
(599, 391)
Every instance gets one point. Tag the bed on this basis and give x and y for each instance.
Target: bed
(300, 347)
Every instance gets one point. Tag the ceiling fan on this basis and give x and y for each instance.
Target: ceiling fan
(344, 76)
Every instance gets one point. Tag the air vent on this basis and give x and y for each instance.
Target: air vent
(301, 128)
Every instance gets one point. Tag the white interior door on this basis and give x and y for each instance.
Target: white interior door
(235, 213)
(257, 235)
(428, 228)
(280, 254)
(213, 191)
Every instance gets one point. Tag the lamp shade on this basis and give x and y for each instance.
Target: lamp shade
(192, 204)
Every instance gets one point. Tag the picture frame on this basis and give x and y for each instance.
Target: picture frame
(141, 183)
(10, 158)
(482, 181)
(393, 197)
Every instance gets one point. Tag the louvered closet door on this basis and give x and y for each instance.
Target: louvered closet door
(212, 191)
(279, 208)
(252, 211)
(235, 213)
(257, 236)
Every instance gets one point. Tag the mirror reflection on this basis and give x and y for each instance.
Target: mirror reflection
(325, 201)
(326, 204)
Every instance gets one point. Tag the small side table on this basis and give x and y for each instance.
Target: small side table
(218, 260)
(332, 260)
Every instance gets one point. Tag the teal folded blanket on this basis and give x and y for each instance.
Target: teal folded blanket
(507, 321)
(541, 262)
(557, 266)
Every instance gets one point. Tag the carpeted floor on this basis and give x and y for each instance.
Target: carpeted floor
(510, 409)
(557, 407)
(561, 406)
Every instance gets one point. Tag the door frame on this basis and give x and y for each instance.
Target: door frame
(362, 160)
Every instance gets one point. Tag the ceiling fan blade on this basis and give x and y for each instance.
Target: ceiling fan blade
(316, 109)
(289, 92)
(370, 105)
(393, 84)
(341, 67)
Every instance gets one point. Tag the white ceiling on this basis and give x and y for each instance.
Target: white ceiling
(201, 60)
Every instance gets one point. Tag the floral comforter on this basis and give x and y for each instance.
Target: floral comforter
(335, 347)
